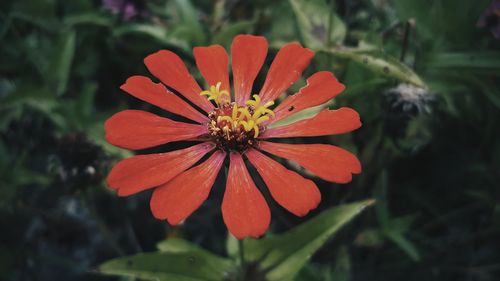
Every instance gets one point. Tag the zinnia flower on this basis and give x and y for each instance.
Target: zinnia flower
(236, 127)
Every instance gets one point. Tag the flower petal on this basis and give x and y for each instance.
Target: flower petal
(327, 122)
(212, 61)
(244, 209)
(248, 53)
(142, 172)
(328, 162)
(155, 93)
(170, 69)
(180, 197)
(292, 191)
(137, 129)
(286, 68)
(321, 87)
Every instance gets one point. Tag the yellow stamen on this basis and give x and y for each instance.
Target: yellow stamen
(255, 102)
(245, 118)
(235, 112)
(225, 118)
(261, 119)
(246, 114)
(261, 113)
(256, 131)
(247, 125)
(214, 93)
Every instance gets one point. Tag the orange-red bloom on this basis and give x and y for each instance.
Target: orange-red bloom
(234, 126)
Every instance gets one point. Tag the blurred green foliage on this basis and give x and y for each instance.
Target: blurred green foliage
(421, 73)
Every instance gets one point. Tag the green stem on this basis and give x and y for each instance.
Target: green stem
(330, 24)
(218, 14)
(241, 251)
(329, 32)
(406, 36)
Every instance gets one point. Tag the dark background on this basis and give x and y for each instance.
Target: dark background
(422, 74)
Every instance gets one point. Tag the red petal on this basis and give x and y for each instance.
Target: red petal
(180, 197)
(144, 89)
(327, 122)
(142, 172)
(170, 69)
(248, 53)
(321, 87)
(212, 62)
(137, 129)
(292, 191)
(244, 209)
(286, 68)
(328, 162)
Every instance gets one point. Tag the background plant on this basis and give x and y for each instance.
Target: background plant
(430, 159)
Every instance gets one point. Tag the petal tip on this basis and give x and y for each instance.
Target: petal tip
(250, 37)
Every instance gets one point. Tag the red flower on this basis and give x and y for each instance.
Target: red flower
(238, 129)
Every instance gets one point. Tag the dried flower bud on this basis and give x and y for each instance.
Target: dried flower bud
(80, 161)
(402, 104)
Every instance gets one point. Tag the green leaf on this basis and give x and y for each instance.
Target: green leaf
(469, 61)
(191, 22)
(441, 23)
(41, 13)
(156, 32)
(401, 224)
(314, 272)
(232, 246)
(379, 63)
(404, 244)
(363, 88)
(282, 256)
(370, 237)
(393, 228)
(36, 97)
(60, 66)
(85, 101)
(380, 192)
(487, 88)
(161, 266)
(304, 114)
(283, 26)
(318, 24)
(97, 19)
(342, 269)
(227, 33)
(177, 245)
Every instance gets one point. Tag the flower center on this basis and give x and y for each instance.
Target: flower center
(233, 127)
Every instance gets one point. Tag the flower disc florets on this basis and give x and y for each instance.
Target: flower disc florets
(233, 127)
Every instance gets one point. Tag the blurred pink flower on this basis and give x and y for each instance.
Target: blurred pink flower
(127, 8)
(491, 18)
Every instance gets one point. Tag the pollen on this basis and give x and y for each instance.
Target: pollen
(235, 127)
